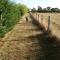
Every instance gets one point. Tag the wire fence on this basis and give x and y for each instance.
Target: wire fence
(51, 21)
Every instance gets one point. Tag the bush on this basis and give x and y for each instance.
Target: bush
(10, 14)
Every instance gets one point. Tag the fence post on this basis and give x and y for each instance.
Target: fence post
(41, 19)
(38, 17)
(48, 23)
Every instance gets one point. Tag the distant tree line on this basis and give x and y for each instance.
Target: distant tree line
(46, 10)
(10, 14)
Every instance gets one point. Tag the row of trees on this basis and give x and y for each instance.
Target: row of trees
(10, 14)
(47, 9)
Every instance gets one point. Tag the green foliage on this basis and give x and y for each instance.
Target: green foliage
(3, 30)
(10, 14)
(34, 10)
(46, 10)
(22, 8)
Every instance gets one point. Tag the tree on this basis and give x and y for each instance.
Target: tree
(22, 8)
(33, 10)
(53, 10)
(48, 9)
(39, 9)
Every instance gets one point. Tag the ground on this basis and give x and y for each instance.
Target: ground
(26, 41)
(17, 45)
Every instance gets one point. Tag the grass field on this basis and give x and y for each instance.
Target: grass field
(54, 21)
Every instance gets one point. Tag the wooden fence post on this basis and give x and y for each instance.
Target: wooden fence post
(48, 23)
(38, 17)
(41, 19)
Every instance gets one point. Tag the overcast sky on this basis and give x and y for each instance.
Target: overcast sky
(42, 3)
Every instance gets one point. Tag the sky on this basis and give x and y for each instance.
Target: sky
(42, 3)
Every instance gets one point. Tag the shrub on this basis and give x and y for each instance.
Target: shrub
(10, 14)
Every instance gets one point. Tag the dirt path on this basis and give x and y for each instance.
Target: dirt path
(17, 44)
(27, 42)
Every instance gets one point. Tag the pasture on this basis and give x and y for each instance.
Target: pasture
(54, 25)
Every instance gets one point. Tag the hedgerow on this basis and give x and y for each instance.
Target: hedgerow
(10, 14)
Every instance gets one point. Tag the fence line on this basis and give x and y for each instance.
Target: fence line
(47, 23)
(39, 18)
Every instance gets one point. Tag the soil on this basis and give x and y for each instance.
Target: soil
(26, 41)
